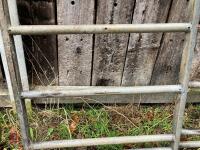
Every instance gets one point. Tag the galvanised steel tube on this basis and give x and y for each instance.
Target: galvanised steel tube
(185, 70)
(99, 90)
(99, 28)
(194, 84)
(14, 21)
(102, 141)
(190, 144)
(190, 132)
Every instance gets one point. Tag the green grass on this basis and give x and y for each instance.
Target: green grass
(94, 121)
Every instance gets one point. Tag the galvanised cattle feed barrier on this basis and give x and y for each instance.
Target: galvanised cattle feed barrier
(14, 65)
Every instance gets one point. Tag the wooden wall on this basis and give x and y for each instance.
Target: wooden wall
(75, 51)
(121, 59)
(105, 59)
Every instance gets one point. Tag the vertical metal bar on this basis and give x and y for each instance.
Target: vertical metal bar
(10, 54)
(14, 20)
(6, 70)
(185, 71)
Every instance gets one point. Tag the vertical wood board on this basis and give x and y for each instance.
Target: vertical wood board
(167, 66)
(110, 49)
(195, 74)
(75, 51)
(143, 47)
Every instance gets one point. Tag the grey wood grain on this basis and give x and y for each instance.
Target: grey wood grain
(75, 51)
(143, 47)
(110, 49)
(195, 74)
(167, 66)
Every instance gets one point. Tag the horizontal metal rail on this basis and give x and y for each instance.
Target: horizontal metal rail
(190, 144)
(194, 84)
(99, 28)
(190, 132)
(98, 90)
(102, 141)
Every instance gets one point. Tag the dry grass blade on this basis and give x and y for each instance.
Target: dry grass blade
(39, 49)
(109, 109)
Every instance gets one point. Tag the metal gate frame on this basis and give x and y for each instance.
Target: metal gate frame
(14, 62)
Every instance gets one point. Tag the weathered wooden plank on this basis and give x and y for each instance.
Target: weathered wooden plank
(5, 100)
(44, 52)
(1, 73)
(110, 49)
(143, 47)
(6, 70)
(24, 11)
(5, 97)
(195, 74)
(75, 51)
(167, 66)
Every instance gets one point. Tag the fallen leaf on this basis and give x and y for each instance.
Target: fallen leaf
(75, 118)
(14, 138)
(72, 126)
(74, 123)
(150, 115)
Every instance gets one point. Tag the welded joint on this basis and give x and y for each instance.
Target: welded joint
(183, 90)
(190, 27)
